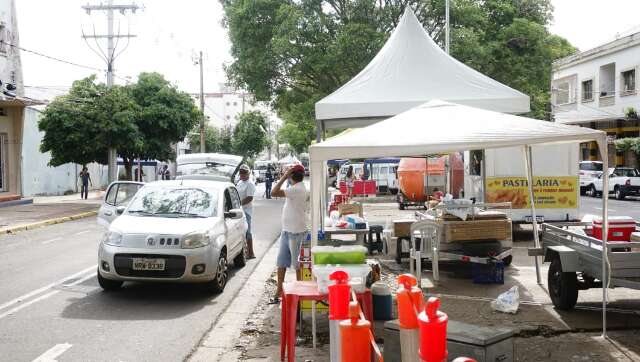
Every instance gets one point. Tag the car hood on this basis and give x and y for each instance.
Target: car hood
(129, 224)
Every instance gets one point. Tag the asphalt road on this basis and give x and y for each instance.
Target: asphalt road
(52, 307)
(627, 207)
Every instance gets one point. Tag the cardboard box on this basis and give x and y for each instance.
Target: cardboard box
(347, 209)
(477, 230)
(402, 228)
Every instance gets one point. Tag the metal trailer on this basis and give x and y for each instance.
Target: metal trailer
(576, 262)
(433, 246)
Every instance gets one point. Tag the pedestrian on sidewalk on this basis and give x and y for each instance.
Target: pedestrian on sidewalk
(268, 180)
(165, 174)
(85, 177)
(294, 225)
(247, 190)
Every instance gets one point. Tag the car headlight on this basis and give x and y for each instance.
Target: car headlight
(195, 240)
(113, 238)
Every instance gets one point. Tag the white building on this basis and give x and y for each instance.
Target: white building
(223, 108)
(38, 178)
(596, 88)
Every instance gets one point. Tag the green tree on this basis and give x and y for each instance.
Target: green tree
(212, 139)
(226, 138)
(141, 120)
(293, 53)
(250, 134)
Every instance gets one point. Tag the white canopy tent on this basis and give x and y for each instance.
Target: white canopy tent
(450, 128)
(289, 160)
(410, 70)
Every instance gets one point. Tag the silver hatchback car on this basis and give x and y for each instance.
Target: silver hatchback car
(172, 231)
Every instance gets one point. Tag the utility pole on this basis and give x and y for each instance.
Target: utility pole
(109, 57)
(447, 26)
(202, 116)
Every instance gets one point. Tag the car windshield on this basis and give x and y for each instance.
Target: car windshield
(174, 202)
(591, 166)
(626, 172)
(205, 168)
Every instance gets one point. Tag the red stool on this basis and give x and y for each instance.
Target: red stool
(297, 291)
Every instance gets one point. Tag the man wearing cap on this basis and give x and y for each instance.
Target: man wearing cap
(294, 225)
(246, 190)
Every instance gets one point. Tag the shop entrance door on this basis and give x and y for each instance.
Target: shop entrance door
(3, 162)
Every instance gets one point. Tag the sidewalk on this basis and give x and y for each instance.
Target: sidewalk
(48, 210)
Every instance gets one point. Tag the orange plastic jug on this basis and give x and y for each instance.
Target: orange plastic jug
(409, 301)
(339, 294)
(433, 332)
(355, 336)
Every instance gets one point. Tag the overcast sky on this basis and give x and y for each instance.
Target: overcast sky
(169, 33)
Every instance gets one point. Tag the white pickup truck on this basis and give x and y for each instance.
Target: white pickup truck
(623, 181)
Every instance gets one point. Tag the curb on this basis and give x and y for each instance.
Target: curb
(58, 220)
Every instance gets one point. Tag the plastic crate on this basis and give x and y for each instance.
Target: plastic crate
(491, 273)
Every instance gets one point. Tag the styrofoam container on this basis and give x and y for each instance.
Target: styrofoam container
(357, 276)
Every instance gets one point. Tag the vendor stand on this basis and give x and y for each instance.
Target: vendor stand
(452, 128)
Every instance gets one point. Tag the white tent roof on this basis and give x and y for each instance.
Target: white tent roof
(289, 160)
(450, 127)
(409, 70)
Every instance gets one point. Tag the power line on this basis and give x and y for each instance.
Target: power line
(51, 57)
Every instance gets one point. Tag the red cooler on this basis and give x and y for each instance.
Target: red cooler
(620, 228)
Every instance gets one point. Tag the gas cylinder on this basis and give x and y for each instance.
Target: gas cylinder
(433, 332)
(355, 335)
(338, 310)
(409, 304)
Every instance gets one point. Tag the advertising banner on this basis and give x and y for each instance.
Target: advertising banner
(550, 192)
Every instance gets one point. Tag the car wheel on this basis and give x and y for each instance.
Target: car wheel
(222, 274)
(108, 284)
(393, 191)
(241, 259)
(563, 287)
(618, 193)
(507, 260)
(592, 191)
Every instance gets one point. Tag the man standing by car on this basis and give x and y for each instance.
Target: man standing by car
(247, 190)
(294, 225)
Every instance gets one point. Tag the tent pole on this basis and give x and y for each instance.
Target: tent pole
(534, 220)
(604, 153)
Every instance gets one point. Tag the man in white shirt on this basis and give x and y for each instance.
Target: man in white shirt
(247, 190)
(294, 225)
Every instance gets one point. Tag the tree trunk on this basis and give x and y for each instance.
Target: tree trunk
(127, 168)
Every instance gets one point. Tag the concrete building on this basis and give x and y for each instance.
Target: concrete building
(597, 88)
(12, 105)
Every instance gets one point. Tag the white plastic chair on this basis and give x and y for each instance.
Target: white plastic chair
(427, 232)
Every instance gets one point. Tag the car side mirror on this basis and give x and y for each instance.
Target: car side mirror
(234, 214)
(120, 210)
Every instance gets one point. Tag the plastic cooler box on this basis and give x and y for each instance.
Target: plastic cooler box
(357, 276)
(348, 254)
(620, 228)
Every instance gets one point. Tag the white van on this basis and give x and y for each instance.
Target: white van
(498, 175)
(384, 174)
(260, 169)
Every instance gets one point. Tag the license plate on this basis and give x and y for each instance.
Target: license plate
(148, 264)
(530, 218)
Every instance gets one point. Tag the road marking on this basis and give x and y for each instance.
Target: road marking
(45, 296)
(51, 240)
(46, 287)
(53, 353)
(83, 232)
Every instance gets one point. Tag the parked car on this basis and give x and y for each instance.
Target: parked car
(588, 171)
(623, 181)
(171, 231)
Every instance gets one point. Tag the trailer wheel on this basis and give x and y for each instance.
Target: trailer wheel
(563, 286)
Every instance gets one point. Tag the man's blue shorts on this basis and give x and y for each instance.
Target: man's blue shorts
(289, 251)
